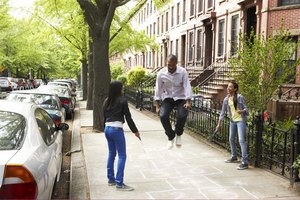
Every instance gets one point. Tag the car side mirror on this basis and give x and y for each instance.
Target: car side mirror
(63, 126)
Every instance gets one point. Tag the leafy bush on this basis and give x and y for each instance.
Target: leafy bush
(116, 69)
(122, 78)
(296, 163)
(136, 76)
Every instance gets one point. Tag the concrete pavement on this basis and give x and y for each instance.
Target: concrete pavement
(194, 171)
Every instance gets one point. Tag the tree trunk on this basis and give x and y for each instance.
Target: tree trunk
(89, 103)
(84, 67)
(101, 78)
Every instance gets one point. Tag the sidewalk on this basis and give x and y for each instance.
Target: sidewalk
(194, 171)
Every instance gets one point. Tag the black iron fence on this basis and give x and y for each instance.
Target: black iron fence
(269, 146)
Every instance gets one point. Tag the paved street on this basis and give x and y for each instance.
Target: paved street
(194, 171)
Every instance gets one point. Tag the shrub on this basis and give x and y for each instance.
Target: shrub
(116, 70)
(136, 76)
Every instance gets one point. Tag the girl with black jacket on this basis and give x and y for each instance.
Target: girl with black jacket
(115, 108)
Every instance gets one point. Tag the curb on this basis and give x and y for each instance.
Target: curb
(78, 184)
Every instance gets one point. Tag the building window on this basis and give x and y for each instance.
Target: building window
(221, 37)
(158, 26)
(162, 24)
(161, 56)
(151, 5)
(171, 47)
(288, 2)
(184, 11)
(209, 3)
(172, 16)
(199, 45)
(148, 9)
(200, 6)
(191, 46)
(178, 15)
(167, 21)
(234, 34)
(150, 30)
(154, 26)
(176, 47)
(192, 8)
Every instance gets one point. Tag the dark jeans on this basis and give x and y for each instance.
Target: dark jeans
(165, 110)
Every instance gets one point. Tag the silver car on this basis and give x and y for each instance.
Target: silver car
(30, 151)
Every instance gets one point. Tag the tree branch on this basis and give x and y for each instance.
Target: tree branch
(129, 17)
(90, 10)
(110, 15)
(122, 2)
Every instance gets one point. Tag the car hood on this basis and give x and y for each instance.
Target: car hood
(5, 156)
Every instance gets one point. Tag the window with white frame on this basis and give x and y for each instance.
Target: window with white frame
(288, 2)
(162, 24)
(150, 30)
(191, 46)
(167, 21)
(172, 16)
(171, 47)
(199, 44)
(154, 27)
(221, 37)
(178, 13)
(176, 47)
(209, 3)
(200, 6)
(192, 7)
(158, 26)
(184, 11)
(234, 34)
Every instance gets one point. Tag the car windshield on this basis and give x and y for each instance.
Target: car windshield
(12, 130)
(60, 91)
(43, 100)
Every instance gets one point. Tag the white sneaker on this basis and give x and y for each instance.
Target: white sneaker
(178, 141)
(170, 144)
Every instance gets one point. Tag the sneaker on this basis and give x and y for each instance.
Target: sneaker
(231, 160)
(242, 166)
(111, 183)
(178, 141)
(124, 187)
(170, 144)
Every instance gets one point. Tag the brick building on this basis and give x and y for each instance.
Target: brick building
(204, 33)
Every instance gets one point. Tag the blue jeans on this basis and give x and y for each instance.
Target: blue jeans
(116, 143)
(240, 128)
(165, 110)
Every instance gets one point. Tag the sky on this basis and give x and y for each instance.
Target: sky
(18, 7)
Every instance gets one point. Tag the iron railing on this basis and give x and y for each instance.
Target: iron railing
(269, 146)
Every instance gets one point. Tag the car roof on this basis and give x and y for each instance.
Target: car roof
(16, 107)
(32, 92)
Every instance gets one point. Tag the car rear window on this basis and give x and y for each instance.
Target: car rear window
(12, 130)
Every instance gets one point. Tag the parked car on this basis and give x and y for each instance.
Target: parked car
(60, 84)
(64, 95)
(8, 83)
(30, 151)
(39, 82)
(69, 81)
(47, 100)
(22, 84)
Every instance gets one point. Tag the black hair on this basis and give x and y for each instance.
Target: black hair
(114, 92)
(172, 57)
(235, 86)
